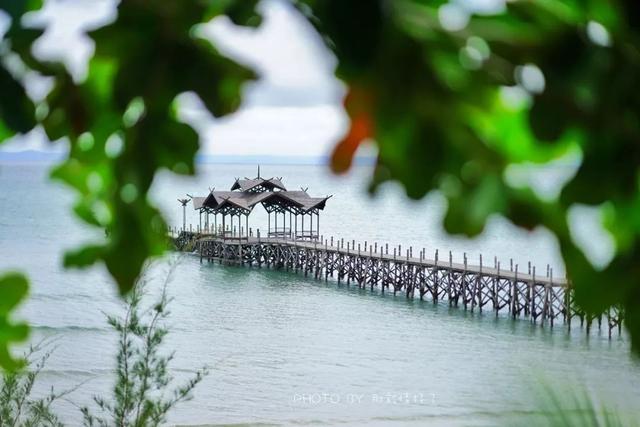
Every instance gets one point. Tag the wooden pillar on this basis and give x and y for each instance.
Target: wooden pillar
(567, 305)
(318, 222)
(496, 281)
(515, 310)
(464, 282)
(223, 227)
(302, 225)
(268, 224)
(532, 296)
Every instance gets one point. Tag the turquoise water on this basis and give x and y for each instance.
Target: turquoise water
(286, 350)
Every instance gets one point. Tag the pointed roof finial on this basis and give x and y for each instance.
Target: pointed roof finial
(258, 171)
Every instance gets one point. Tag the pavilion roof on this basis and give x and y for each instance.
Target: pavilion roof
(258, 184)
(197, 202)
(272, 194)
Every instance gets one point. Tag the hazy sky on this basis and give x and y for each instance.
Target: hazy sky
(294, 108)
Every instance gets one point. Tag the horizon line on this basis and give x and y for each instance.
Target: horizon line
(37, 156)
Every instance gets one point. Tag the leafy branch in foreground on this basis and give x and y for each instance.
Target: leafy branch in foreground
(142, 375)
(577, 406)
(17, 406)
(121, 119)
(452, 97)
(455, 96)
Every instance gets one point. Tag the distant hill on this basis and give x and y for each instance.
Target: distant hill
(275, 160)
(33, 156)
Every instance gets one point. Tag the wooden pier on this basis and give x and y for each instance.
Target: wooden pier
(473, 286)
(541, 298)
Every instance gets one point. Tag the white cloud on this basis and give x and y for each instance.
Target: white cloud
(295, 108)
(267, 130)
(36, 140)
(284, 49)
(66, 22)
(278, 131)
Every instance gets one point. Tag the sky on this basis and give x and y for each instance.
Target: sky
(295, 107)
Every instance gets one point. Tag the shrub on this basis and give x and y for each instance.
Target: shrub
(142, 376)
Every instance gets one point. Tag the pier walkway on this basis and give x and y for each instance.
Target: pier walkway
(541, 298)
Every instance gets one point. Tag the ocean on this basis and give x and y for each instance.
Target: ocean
(288, 350)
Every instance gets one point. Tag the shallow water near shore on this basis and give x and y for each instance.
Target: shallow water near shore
(288, 350)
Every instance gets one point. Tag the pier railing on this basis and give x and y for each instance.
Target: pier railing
(543, 298)
(283, 233)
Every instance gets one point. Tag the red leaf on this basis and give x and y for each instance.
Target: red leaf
(358, 104)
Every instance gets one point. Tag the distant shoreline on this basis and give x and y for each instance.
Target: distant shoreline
(43, 157)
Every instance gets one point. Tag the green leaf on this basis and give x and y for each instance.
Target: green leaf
(142, 62)
(83, 257)
(217, 80)
(17, 8)
(138, 234)
(240, 12)
(547, 120)
(16, 109)
(13, 290)
(354, 30)
(5, 133)
(449, 111)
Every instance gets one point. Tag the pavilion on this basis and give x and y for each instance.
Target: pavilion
(286, 209)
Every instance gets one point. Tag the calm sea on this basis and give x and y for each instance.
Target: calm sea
(285, 350)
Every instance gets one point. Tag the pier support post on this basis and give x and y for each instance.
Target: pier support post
(532, 296)
(496, 281)
(514, 293)
(464, 281)
(544, 298)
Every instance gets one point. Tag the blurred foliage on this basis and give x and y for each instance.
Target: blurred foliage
(18, 404)
(121, 119)
(451, 97)
(13, 289)
(143, 393)
(564, 405)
